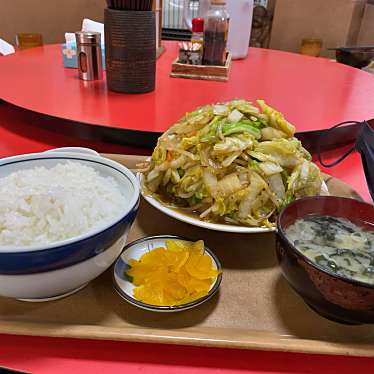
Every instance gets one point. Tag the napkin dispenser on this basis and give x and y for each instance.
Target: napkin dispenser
(69, 48)
(69, 55)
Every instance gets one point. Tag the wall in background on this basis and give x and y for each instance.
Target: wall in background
(51, 18)
(336, 22)
(366, 35)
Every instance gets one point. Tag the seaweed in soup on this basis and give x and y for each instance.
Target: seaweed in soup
(335, 244)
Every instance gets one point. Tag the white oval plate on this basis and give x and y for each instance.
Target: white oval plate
(208, 225)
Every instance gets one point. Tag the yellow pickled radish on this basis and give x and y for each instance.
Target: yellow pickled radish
(183, 277)
(176, 291)
(200, 266)
(191, 298)
(176, 259)
(198, 247)
(140, 272)
(154, 256)
(149, 295)
(177, 245)
(200, 285)
(178, 274)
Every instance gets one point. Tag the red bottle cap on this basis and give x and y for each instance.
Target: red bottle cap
(198, 25)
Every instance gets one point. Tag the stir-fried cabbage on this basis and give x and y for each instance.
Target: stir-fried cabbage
(233, 163)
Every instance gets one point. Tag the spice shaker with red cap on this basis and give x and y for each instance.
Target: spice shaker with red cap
(192, 52)
(197, 30)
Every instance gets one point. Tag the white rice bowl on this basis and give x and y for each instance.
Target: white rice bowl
(64, 219)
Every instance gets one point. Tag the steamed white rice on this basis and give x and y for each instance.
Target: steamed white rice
(40, 205)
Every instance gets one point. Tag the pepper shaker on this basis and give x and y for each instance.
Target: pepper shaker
(90, 63)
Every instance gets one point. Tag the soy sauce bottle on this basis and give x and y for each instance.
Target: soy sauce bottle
(216, 28)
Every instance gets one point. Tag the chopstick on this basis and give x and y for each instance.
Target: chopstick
(138, 5)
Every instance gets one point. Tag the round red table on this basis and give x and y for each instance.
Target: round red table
(313, 93)
(53, 356)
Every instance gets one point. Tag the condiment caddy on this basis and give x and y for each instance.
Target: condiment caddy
(203, 72)
(206, 56)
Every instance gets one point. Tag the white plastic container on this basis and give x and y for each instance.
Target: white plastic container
(241, 13)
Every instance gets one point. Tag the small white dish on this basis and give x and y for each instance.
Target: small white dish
(208, 225)
(135, 250)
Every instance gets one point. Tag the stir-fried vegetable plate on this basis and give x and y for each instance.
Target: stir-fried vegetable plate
(232, 164)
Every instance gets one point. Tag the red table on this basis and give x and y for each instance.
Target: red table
(54, 356)
(313, 93)
(67, 356)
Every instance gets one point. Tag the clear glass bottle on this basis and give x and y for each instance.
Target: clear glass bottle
(216, 28)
